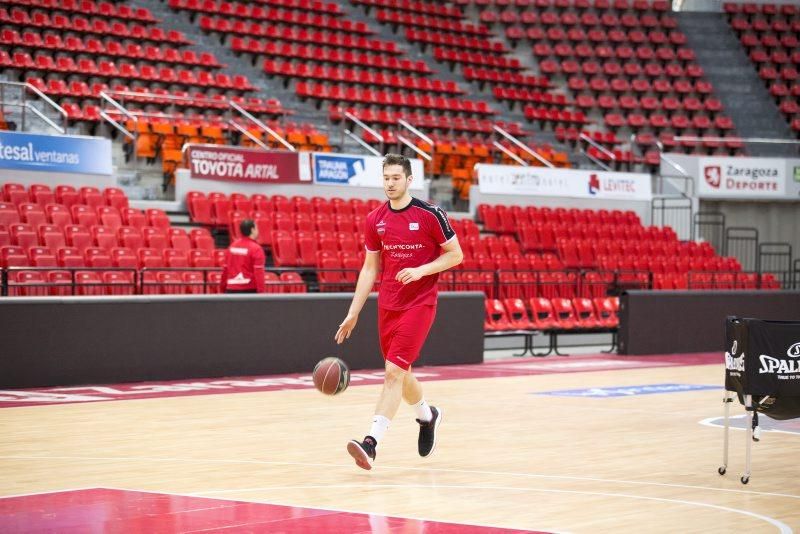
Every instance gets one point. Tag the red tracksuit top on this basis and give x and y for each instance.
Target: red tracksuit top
(244, 267)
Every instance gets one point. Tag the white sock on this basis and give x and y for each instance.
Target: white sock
(423, 411)
(380, 425)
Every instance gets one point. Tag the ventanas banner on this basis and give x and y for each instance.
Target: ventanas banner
(231, 164)
(355, 170)
(515, 180)
(63, 154)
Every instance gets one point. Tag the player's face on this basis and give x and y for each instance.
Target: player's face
(254, 233)
(395, 182)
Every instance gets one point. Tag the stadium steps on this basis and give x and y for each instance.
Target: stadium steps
(266, 88)
(736, 82)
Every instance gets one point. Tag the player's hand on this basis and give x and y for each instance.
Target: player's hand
(408, 275)
(346, 328)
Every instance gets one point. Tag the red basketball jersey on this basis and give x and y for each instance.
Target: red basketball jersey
(408, 237)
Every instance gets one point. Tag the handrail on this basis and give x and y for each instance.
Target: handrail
(413, 147)
(369, 148)
(377, 135)
(407, 142)
(261, 125)
(45, 118)
(671, 163)
(25, 105)
(774, 141)
(598, 146)
(688, 181)
(523, 146)
(107, 97)
(510, 154)
(405, 124)
(147, 94)
(245, 132)
(596, 161)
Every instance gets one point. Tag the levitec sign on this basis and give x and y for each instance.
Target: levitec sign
(211, 162)
(742, 177)
(513, 180)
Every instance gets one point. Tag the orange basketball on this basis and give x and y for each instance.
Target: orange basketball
(331, 376)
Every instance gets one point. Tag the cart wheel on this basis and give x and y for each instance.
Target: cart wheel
(722, 470)
(745, 480)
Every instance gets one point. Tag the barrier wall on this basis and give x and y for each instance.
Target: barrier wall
(50, 341)
(666, 322)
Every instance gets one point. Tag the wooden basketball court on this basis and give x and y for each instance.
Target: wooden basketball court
(578, 444)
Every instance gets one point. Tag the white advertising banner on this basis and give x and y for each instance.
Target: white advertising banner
(741, 177)
(513, 180)
(358, 170)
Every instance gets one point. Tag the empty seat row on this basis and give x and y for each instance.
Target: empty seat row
(123, 70)
(60, 216)
(116, 256)
(95, 25)
(93, 46)
(110, 10)
(557, 314)
(52, 237)
(508, 219)
(215, 208)
(360, 77)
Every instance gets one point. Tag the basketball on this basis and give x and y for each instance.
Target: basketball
(331, 376)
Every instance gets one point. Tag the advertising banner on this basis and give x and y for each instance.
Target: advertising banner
(233, 164)
(358, 170)
(741, 177)
(63, 154)
(541, 181)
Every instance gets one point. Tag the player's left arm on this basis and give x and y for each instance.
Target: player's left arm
(450, 257)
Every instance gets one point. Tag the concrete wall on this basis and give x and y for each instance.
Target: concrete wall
(667, 322)
(775, 221)
(50, 341)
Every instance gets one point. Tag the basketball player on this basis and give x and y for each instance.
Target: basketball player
(244, 265)
(415, 242)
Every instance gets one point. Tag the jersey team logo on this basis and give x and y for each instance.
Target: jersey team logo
(413, 226)
(381, 227)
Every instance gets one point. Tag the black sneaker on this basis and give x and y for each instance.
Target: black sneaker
(363, 452)
(427, 433)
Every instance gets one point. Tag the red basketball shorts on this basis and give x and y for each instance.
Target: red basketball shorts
(403, 332)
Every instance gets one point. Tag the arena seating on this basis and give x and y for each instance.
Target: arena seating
(623, 62)
(769, 33)
(181, 94)
(91, 239)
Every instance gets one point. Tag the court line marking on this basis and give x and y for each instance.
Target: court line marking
(782, 527)
(47, 492)
(708, 422)
(400, 468)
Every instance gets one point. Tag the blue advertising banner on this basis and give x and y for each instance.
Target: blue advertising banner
(627, 391)
(55, 153)
(355, 170)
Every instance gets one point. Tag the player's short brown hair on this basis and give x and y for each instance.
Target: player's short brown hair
(398, 159)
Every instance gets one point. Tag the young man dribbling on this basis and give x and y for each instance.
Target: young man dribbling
(414, 242)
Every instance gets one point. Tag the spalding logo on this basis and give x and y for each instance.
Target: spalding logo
(794, 351)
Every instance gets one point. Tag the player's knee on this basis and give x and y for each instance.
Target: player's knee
(394, 374)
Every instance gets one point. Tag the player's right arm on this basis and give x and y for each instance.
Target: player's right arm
(366, 280)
